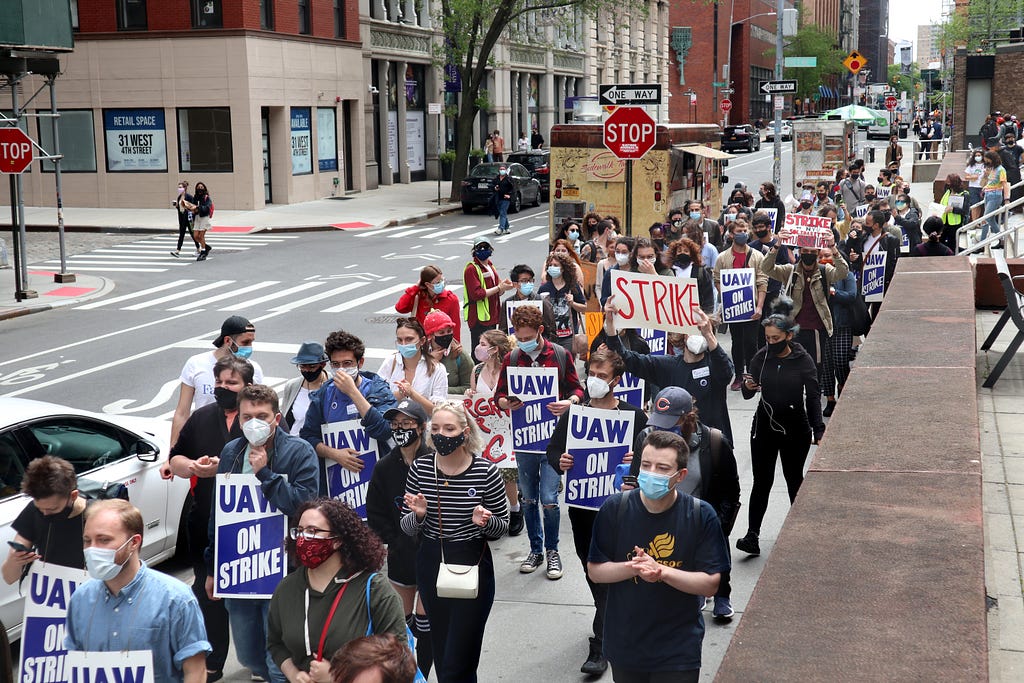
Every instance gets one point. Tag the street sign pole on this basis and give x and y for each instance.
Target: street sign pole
(777, 138)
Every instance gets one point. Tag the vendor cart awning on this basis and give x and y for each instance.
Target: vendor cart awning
(705, 151)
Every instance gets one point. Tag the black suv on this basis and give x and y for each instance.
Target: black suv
(537, 161)
(743, 136)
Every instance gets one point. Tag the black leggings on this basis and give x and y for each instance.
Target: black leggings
(582, 530)
(744, 344)
(456, 626)
(776, 434)
(183, 227)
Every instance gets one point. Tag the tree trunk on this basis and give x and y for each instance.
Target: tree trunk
(464, 141)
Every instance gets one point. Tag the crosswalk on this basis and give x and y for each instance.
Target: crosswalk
(153, 254)
(524, 228)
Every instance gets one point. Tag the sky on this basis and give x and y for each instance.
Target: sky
(905, 16)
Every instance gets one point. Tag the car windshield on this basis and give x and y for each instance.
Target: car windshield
(486, 170)
(530, 161)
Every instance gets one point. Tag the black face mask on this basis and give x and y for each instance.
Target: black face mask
(226, 399)
(887, 214)
(446, 445)
(776, 348)
(762, 233)
(311, 375)
(808, 259)
(869, 197)
(404, 437)
(683, 261)
(443, 341)
(659, 242)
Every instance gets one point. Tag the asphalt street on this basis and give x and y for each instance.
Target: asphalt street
(122, 353)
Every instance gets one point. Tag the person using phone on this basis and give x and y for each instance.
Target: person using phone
(50, 527)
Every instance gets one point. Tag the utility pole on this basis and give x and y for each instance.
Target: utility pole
(777, 139)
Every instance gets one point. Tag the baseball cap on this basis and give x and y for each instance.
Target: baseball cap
(480, 242)
(236, 324)
(310, 353)
(436, 320)
(409, 408)
(668, 405)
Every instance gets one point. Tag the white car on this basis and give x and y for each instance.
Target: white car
(880, 128)
(104, 450)
(786, 131)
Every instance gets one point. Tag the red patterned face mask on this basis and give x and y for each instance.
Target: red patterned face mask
(313, 552)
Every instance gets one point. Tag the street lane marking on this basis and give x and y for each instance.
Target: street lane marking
(110, 270)
(352, 303)
(382, 231)
(133, 295)
(410, 232)
(227, 295)
(178, 295)
(294, 305)
(122, 257)
(270, 297)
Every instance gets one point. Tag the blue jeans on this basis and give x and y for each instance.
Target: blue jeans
(993, 200)
(249, 631)
(503, 214)
(539, 481)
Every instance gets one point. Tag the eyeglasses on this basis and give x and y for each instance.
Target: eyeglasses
(344, 364)
(405, 424)
(309, 532)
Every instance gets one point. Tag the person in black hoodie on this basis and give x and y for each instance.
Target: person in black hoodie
(787, 418)
(384, 516)
(770, 200)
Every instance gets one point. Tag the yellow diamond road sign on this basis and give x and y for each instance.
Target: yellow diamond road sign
(855, 61)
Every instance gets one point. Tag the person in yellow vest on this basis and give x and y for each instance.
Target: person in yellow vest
(956, 201)
(484, 287)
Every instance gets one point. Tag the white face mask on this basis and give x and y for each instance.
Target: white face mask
(257, 432)
(597, 387)
(100, 562)
(697, 344)
(621, 259)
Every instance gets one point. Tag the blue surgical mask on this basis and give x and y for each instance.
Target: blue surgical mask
(408, 350)
(695, 215)
(740, 238)
(654, 486)
(529, 346)
(526, 288)
(554, 271)
(438, 287)
(573, 235)
(243, 351)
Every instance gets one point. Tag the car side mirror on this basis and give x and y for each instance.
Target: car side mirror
(145, 451)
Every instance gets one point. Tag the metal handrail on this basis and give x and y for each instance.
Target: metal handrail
(981, 204)
(1007, 232)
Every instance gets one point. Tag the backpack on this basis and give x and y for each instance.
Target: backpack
(211, 208)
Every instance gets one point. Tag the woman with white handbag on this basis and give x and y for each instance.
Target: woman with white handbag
(455, 501)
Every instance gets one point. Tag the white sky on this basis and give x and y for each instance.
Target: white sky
(905, 17)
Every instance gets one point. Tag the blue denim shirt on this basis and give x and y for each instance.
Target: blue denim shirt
(154, 612)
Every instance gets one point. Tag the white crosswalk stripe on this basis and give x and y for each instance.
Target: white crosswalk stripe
(134, 295)
(359, 301)
(226, 295)
(177, 296)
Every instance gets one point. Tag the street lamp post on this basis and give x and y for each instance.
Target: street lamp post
(777, 139)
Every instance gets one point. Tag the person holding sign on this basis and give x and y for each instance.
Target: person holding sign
(957, 202)
(687, 261)
(565, 293)
(623, 261)
(659, 551)
(536, 480)
(311, 362)
(525, 289)
(334, 596)
(286, 468)
(455, 503)
(130, 607)
(742, 287)
(787, 418)
(604, 374)
(886, 248)
(909, 221)
(770, 199)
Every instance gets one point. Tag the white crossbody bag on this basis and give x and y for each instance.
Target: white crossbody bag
(458, 581)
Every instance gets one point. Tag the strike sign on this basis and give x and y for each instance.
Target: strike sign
(350, 487)
(50, 587)
(873, 279)
(655, 301)
(807, 231)
(248, 553)
(121, 666)
(739, 294)
(630, 389)
(533, 423)
(496, 427)
(597, 441)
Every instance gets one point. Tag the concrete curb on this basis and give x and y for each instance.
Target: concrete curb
(105, 288)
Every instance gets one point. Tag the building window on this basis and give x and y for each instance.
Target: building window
(207, 14)
(74, 15)
(326, 139)
(305, 27)
(131, 15)
(339, 19)
(204, 140)
(77, 141)
(267, 15)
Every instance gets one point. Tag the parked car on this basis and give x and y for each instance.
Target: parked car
(537, 162)
(741, 136)
(104, 449)
(477, 187)
(786, 131)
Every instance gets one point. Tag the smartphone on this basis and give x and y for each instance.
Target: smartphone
(631, 480)
(21, 548)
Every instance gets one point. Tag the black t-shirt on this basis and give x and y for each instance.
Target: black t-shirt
(57, 538)
(566, 317)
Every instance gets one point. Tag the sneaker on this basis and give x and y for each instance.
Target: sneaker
(554, 565)
(515, 523)
(530, 564)
(175, 254)
(830, 407)
(735, 386)
(499, 231)
(596, 664)
(723, 609)
(702, 603)
(255, 677)
(749, 544)
(201, 257)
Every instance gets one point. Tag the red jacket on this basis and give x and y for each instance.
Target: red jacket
(568, 382)
(415, 298)
(475, 291)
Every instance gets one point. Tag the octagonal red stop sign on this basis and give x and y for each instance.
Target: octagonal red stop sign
(630, 132)
(15, 150)
(891, 102)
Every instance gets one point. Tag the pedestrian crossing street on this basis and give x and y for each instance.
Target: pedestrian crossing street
(153, 254)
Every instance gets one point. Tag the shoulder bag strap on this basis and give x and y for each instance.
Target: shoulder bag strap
(369, 613)
(327, 624)
(440, 522)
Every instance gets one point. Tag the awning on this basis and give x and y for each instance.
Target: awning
(705, 152)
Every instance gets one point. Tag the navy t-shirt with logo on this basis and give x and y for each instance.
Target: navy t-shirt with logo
(653, 626)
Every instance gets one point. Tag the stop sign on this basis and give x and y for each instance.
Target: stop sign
(629, 133)
(15, 150)
(726, 105)
(890, 102)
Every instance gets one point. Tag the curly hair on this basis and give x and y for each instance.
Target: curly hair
(386, 654)
(568, 269)
(49, 476)
(343, 341)
(569, 248)
(694, 231)
(592, 229)
(361, 548)
(527, 316)
(686, 246)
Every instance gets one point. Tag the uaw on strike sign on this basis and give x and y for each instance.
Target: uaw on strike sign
(49, 589)
(350, 487)
(248, 553)
(597, 440)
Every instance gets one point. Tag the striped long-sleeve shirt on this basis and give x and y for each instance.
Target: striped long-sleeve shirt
(480, 484)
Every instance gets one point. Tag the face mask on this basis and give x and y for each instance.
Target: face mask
(482, 353)
(526, 288)
(678, 223)
(683, 261)
(805, 205)
(483, 254)
(730, 217)
(901, 205)
(695, 215)
(554, 271)
(404, 437)
(313, 552)
(443, 341)
(407, 350)
(438, 287)
(697, 344)
(181, 190)
(887, 214)
(573, 235)
(740, 238)
(621, 259)
(659, 242)
(881, 180)
(654, 486)
(502, 172)
(854, 176)
(808, 259)
(528, 346)
(761, 233)
(352, 372)
(597, 387)
(869, 198)
(100, 562)
(977, 160)
(256, 431)
(775, 348)
(244, 352)
(311, 375)
(446, 445)
(650, 260)
(226, 398)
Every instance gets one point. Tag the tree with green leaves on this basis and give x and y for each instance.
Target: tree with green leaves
(910, 83)
(811, 41)
(472, 28)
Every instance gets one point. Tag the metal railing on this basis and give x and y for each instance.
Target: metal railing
(1007, 232)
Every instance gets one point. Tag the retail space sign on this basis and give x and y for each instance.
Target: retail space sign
(136, 140)
(350, 487)
(415, 140)
(248, 553)
(302, 153)
(533, 423)
(597, 440)
(326, 139)
(47, 589)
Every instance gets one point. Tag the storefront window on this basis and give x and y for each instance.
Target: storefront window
(204, 140)
(77, 141)
(302, 157)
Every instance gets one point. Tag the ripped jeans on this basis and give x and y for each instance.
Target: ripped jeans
(538, 482)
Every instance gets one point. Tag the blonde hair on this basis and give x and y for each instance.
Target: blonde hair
(474, 442)
(131, 518)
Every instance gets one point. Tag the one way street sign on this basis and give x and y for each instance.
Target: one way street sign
(630, 94)
(776, 87)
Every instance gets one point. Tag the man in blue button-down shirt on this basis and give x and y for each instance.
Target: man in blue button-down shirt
(136, 608)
